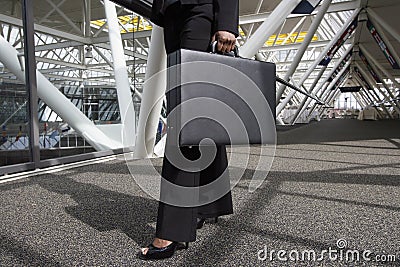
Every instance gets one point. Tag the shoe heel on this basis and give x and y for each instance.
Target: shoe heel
(216, 219)
(184, 245)
(200, 223)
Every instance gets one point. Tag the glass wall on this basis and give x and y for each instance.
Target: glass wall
(14, 144)
(74, 56)
(347, 101)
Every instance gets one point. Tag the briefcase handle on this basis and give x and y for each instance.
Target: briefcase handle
(234, 53)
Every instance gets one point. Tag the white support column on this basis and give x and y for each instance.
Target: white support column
(65, 17)
(332, 84)
(370, 101)
(376, 65)
(304, 45)
(340, 74)
(384, 24)
(268, 27)
(385, 39)
(306, 101)
(374, 100)
(57, 101)
(320, 57)
(299, 24)
(374, 61)
(125, 101)
(87, 11)
(375, 94)
(314, 90)
(364, 99)
(360, 100)
(334, 96)
(372, 82)
(324, 95)
(153, 94)
(369, 96)
(258, 8)
(330, 97)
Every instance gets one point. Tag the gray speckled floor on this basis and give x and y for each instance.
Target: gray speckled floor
(337, 179)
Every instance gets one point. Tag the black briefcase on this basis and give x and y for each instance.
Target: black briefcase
(219, 99)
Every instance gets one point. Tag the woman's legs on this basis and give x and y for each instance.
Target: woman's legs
(190, 27)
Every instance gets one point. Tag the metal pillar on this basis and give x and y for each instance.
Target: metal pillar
(384, 71)
(258, 8)
(359, 100)
(30, 80)
(125, 100)
(320, 57)
(321, 96)
(363, 99)
(332, 84)
(383, 23)
(306, 101)
(314, 90)
(153, 94)
(304, 45)
(334, 96)
(331, 96)
(373, 101)
(57, 101)
(268, 27)
(371, 80)
(376, 64)
(385, 39)
(87, 10)
(367, 99)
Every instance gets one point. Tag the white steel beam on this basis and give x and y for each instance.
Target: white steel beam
(45, 30)
(125, 101)
(375, 64)
(65, 17)
(152, 97)
(268, 27)
(335, 7)
(51, 12)
(304, 45)
(360, 100)
(371, 80)
(319, 58)
(315, 90)
(385, 39)
(374, 98)
(58, 102)
(384, 24)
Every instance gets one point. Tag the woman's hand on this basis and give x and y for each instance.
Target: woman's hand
(226, 41)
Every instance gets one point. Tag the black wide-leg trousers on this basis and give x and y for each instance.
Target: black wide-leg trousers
(190, 27)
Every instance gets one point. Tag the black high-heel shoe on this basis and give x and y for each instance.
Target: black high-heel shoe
(200, 222)
(155, 253)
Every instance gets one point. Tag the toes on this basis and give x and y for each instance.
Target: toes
(144, 251)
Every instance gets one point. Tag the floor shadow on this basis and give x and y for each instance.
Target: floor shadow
(336, 130)
(344, 201)
(397, 144)
(304, 150)
(23, 254)
(327, 176)
(106, 210)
